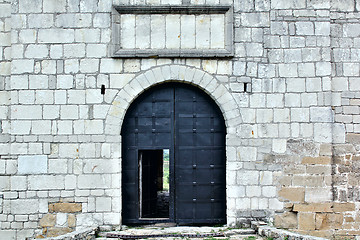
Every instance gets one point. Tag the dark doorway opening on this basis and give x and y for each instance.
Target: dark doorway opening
(154, 184)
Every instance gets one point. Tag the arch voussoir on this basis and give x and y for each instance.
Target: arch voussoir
(205, 81)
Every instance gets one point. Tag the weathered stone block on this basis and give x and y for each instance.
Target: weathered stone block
(286, 220)
(101, 20)
(255, 19)
(292, 194)
(37, 51)
(94, 127)
(323, 132)
(65, 81)
(264, 115)
(110, 66)
(236, 191)
(56, 35)
(217, 40)
(353, 138)
(338, 133)
(301, 147)
(247, 177)
(89, 36)
(5, 10)
(63, 207)
(172, 30)
(299, 114)
(45, 182)
(342, 5)
(254, 49)
(93, 181)
(313, 207)
(288, 70)
(61, 219)
(306, 221)
(351, 69)
(316, 160)
(48, 220)
(30, 6)
(325, 150)
(103, 204)
(328, 221)
(341, 149)
(8, 234)
(319, 4)
(275, 204)
(74, 50)
(306, 70)
(54, 6)
(322, 28)
(20, 66)
(323, 69)
(18, 183)
(142, 31)
(318, 169)
(292, 55)
(279, 145)
(315, 181)
(24, 206)
(57, 231)
(279, 28)
(253, 191)
(288, 4)
(71, 220)
(343, 207)
(317, 195)
(269, 191)
(247, 154)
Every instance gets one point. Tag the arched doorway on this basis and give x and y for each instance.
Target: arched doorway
(174, 130)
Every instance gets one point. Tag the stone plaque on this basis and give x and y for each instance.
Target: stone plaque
(172, 31)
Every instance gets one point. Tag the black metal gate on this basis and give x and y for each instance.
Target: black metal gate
(187, 122)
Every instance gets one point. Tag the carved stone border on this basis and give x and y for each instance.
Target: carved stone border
(117, 52)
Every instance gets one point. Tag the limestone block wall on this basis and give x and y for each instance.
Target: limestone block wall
(5, 57)
(289, 93)
(331, 167)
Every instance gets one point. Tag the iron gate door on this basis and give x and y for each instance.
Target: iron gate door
(183, 119)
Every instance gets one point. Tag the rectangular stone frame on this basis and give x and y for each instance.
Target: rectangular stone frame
(117, 52)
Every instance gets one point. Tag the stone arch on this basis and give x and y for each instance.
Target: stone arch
(180, 73)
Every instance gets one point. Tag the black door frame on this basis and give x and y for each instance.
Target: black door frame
(172, 157)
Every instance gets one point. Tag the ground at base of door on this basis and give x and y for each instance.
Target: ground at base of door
(193, 233)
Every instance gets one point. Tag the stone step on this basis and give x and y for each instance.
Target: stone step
(234, 237)
(168, 233)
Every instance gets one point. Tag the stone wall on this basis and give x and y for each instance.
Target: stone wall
(288, 89)
(5, 57)
(6, 165)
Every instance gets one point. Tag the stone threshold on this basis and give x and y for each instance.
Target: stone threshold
(177, 232)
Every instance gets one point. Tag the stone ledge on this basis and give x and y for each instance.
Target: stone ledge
(182, 53)
(81, 234)
(266, 231)
(173, 9)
